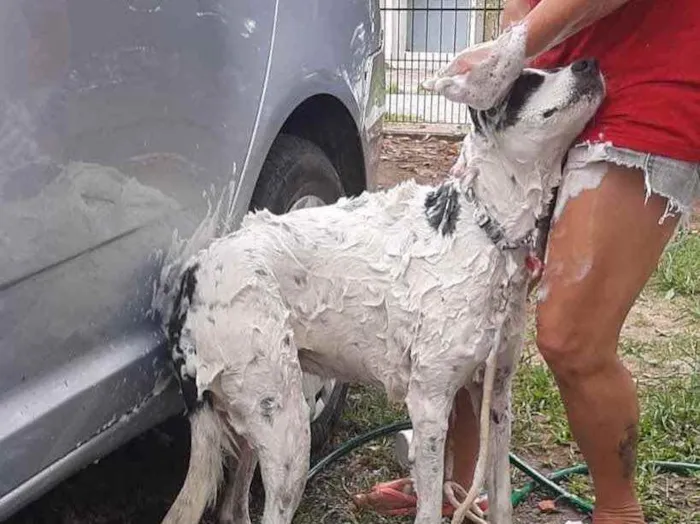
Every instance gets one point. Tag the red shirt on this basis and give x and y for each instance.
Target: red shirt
(649, 53)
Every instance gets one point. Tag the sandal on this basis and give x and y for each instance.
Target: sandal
(397, 498)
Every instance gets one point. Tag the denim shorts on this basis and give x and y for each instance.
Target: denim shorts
(675, 180)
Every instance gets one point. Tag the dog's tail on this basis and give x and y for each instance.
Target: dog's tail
(210, 441)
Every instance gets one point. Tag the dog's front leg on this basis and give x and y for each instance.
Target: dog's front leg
(498, 479)
(429, 408)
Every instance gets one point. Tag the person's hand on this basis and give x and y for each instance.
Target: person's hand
(480, 76)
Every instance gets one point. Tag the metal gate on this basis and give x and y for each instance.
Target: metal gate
(420, 36)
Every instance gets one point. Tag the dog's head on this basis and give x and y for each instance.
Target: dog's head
(513, 158)
(542, 113)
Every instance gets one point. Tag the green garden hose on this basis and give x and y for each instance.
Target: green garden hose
(519, 495)
(355, 443)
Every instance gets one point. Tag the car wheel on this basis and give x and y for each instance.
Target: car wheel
(298, 174)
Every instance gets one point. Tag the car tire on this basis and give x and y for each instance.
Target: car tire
(296, 174)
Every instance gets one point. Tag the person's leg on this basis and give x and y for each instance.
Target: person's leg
(463, 436)
(601, 252)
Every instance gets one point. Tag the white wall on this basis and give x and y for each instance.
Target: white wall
(405, 34)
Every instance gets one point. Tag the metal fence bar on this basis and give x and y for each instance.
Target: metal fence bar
(420, 37)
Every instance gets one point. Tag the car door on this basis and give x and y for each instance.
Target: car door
(115, 118)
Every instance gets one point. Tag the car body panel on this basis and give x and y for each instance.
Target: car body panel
(92, 91)
(118, 120)
(344, 61)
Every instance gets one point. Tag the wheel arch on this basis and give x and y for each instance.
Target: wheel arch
(322, 111)
(324, 120)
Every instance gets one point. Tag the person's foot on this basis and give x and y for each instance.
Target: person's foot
(630, 513)
(398, 497)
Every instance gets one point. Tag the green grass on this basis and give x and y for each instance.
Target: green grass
(393, 89)
(328, 498)
(368, 408)
(679, 269)
(693, 308)
(401, 117)
(669, 392)
(669, 389)
(537, 405)
(669, 430)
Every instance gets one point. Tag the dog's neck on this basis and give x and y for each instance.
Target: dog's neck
(514, 192)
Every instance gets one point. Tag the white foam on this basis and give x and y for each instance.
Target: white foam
(480, 76)
(217, 222)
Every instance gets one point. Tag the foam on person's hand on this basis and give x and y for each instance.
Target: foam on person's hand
(482, 83)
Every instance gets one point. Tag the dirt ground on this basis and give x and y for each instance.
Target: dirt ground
(425, 159)
(136, 483)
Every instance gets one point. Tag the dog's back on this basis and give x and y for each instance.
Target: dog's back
(356, 283)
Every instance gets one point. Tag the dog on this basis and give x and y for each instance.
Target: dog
(419, 290)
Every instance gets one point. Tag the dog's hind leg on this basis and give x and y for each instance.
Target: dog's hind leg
(429, 407)
(235, 507)
(279, 434)
(284, 449)
(269, 410)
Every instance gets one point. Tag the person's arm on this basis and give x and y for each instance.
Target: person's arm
(552, 21)
(481, 75)
(514, 11)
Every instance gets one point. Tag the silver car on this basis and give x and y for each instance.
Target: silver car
(117, 119)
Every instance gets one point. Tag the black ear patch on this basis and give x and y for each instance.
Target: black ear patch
(442, 208)
(527, 83)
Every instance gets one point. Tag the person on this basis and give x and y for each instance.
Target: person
(627, 181)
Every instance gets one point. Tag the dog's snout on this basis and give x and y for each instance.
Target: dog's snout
(585, 66)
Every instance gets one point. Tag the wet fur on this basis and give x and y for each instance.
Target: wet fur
(400, 289)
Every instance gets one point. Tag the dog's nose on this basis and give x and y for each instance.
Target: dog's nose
(588, 65)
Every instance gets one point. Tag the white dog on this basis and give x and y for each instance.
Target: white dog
(420, 290)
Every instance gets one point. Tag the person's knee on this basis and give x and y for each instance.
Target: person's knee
(559, 346)
(570, 348)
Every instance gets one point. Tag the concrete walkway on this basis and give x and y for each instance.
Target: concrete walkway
(419, 107)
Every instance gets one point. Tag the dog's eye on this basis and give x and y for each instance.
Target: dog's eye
(549, 113)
